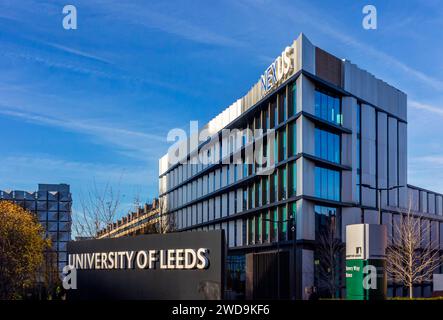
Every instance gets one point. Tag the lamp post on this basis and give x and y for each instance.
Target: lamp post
(278, 247)
(379, 190)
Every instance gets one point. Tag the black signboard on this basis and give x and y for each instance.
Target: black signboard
(185, 265)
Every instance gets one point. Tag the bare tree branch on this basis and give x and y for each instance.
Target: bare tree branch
(412, 257)
(98, 208)
(329, 249)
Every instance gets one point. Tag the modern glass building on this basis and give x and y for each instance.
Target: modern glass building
(331, 129)
(52, 206)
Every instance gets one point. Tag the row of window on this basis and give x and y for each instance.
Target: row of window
(327, 107)
(272, 225)
(279, 185)
(282, 149)
(53, 216)
(266, 189)
(56, 226)
(271, 114)
(424, 201)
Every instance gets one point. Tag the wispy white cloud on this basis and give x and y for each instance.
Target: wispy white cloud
(132, 143)
(328, 26)
(150, 17)
(80, 68)
(436, 160)
(423, 171)
(427, 107)
(25, 171)
(76, 52)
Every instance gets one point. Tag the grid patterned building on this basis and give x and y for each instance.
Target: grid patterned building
(337, 127)
(52, 205)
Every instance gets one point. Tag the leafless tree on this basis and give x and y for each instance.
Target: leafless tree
(330, 250)
(97, 209)
(166, 222)
(411, 258)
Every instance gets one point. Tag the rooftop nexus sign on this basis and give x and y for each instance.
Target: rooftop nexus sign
(185, 265)
(278, 70)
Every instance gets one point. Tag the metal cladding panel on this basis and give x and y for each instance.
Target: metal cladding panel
(152, 283)
(393, 160)
(382, 153)
(328, 67)
(368, 154)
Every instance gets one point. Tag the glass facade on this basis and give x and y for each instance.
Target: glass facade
(325, 218)
(328, 107)
(266, 203)
(327, 145)
(327, 183)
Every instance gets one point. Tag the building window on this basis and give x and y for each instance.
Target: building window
(282, 107)
(292, 179)
(213, 181)
(274, 188)
(259, 221)
(265, 119)
(251, 231)
(282, 136)
(293, 139)
(265, 182)
(327, 145)
(285, 222)
(251, 196)
(276, 158)
(220, 178)
(267, 227)
(259, 193)
(293, 102)
(327, 183)
(274, 114)
(283, 183)
(245, 199)
(227, 174)
(258, 122)
(326, 221)
(275, 228)
(328, 107)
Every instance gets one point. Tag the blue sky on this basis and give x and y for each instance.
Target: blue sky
(96, 103)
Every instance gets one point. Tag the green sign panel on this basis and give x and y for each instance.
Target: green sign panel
(366, 279)
(365, 262)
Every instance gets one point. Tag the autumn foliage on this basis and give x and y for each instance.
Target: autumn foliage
(22, 248)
